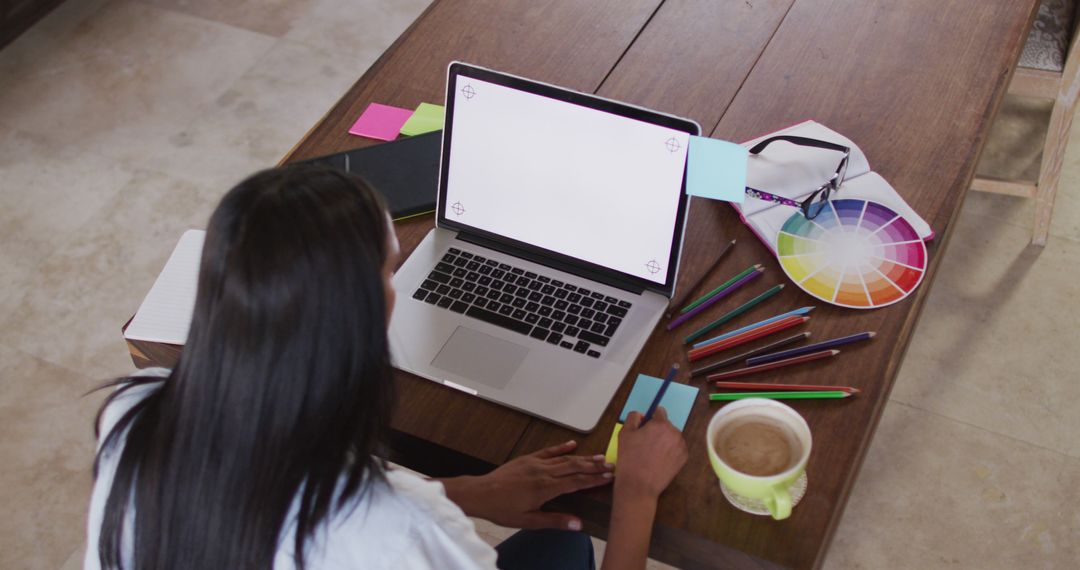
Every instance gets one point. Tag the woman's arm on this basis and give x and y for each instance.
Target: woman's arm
(649, 458)
(512, 494)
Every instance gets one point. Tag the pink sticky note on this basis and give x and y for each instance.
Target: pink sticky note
(381, 122)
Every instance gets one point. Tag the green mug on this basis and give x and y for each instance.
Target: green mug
(759, 449)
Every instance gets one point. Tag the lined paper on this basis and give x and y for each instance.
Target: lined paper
(165, 314)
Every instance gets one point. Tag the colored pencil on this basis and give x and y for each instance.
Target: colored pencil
(795, 313)
(660, 393)
(765, 349)
(720, 288)
(773, 365)
(762, 331)
(754, 273)
(734, 313)
(832, 343)
(760, 387)
(729, 396)
(690, 290)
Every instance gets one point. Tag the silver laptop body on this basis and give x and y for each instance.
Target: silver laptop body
(559, 229)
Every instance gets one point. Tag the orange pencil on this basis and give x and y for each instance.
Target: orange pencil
(752, 334)
(773, 365)
(759, 386)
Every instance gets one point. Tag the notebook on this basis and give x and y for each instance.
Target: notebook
(795, 171)
(405, 171)
(165, 313)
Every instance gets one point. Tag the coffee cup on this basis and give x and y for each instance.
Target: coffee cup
(759, 449)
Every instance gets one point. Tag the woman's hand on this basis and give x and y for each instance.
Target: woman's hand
(512, 494)
(650, 456)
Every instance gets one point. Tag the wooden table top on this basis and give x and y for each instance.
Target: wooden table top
(915, 84)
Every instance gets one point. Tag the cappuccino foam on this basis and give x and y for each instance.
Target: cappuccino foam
(758, 446)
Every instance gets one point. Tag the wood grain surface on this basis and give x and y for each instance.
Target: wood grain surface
(914, 83)
(918, 99)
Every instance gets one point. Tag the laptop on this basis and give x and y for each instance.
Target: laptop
(559, 227)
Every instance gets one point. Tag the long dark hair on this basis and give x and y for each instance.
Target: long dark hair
(282, 390)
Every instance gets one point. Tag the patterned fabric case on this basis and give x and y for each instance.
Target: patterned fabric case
(793, 171)
(1050, 34)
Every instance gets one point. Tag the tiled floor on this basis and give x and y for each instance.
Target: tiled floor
(122, 122)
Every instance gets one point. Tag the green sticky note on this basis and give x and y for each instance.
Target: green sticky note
(678, 400)
(716, 169)
(425, 119)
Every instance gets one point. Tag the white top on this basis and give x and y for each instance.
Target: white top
(408, 524)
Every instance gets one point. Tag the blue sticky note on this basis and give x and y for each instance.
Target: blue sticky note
(716, 169)
(678, 400)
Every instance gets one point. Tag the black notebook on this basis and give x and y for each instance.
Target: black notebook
(405, 171)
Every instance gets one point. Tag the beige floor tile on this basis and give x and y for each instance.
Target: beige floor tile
(45, 36)
(46, 453)
(48, 191)
(347, 27)
(270, 17)
(126, 78)
(258, 119)
(997, 343)
(75, 559)
(1014, 150)
(1015, 144)
(85, 291)
(934, 493)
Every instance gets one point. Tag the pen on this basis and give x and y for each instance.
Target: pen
(660, 393)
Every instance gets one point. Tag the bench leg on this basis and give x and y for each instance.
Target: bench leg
(1057, 137)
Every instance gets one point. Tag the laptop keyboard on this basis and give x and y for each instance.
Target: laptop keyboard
(561, 314)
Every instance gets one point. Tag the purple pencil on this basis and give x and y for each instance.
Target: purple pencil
(698, 309)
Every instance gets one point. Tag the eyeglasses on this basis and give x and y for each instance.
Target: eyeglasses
(816, 201)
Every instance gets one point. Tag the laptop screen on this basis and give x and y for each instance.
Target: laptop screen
(568, 178)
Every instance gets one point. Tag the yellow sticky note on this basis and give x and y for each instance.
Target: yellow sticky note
(425, 119)
(612, 453)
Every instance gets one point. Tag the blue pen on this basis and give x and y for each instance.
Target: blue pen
(660, 393)
(796, 312)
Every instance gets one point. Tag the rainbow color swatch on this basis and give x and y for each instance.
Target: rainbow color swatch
(854, 254)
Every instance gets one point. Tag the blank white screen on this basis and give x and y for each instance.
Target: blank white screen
(574, 180)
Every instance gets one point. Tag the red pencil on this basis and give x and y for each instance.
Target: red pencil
(773, 365)
(752, 334)
(761, 387)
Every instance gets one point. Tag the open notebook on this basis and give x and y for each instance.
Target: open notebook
(165, 313)
(795, 171)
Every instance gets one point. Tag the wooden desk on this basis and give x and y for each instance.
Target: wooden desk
(914, 83)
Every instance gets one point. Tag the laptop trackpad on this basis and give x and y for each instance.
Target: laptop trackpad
(480, 357)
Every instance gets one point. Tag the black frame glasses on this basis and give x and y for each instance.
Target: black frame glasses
(815, 202)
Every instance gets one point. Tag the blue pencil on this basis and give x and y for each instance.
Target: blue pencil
(660, 393)
(825, 344)
(795, 313)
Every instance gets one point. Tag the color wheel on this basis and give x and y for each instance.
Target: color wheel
(854, 254)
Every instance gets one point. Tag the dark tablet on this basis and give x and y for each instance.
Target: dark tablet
(405, 171)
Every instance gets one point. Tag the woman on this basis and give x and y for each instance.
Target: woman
(259, 450)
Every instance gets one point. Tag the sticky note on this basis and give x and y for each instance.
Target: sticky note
(612, 453)
(380, 122)
(716, 169)
(425, 119)
(678, 400)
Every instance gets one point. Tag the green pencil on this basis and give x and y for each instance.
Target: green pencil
(736, 312)
(808, 395)
(723, 286)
